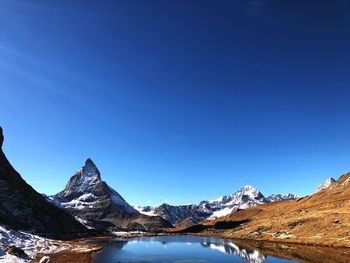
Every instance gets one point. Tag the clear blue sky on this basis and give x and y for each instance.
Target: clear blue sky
(177, 100)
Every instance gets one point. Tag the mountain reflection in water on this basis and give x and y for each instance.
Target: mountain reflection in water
(178, 249)
(209, 249)
(249, 255)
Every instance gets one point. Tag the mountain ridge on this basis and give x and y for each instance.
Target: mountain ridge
(245, 197)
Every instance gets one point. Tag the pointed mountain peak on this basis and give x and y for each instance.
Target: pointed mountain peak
(248, 191)
(89, 162)
(89, 169)
(248, 187)
(1, 137)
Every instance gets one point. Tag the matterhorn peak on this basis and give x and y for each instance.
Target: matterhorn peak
(89, 169)
(89, 162)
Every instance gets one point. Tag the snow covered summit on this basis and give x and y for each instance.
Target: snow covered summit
(85, 189)
(245, 197)
(95, 204)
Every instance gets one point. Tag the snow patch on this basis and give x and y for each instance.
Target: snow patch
(31, 244)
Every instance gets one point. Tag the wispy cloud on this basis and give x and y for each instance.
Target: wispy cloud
(43, 75)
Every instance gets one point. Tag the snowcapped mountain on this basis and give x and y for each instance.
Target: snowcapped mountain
(328, 182)
(95, 204)
(245, 197)
(85, 190)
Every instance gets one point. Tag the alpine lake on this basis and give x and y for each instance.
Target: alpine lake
(197, 249)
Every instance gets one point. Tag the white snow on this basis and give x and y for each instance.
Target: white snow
(31, 245)
(77, 204)
(220, 213)
(141, 210)
(245, 197)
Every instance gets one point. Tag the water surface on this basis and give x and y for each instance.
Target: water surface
(180, 249)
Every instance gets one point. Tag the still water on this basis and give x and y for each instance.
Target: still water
(182, 249)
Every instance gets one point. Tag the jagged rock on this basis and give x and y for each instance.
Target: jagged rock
(16, 251)
(45, 259)
(327, 183)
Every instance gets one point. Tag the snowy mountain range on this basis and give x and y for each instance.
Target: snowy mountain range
(96, 205)
(245, 197)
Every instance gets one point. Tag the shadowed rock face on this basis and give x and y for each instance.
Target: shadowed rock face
(97, 205)
(1, 137)
(22, 208)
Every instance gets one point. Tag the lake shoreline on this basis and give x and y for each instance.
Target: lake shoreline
(86, 256)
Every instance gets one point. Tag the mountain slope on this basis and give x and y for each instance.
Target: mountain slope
(321, 218)
(185, 215)
(97, 205)
(22, 208)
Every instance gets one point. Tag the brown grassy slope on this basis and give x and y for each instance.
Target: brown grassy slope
(300, 253)
(321, 218)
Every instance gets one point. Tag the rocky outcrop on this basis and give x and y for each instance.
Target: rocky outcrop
(22, 208)
(327, 183)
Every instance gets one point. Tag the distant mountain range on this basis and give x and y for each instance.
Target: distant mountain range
(185, 215)
(96, 205)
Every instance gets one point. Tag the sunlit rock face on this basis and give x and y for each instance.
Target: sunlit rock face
(327, 183)
(95, 204)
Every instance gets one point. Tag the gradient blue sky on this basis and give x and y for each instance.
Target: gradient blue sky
(177, 100)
